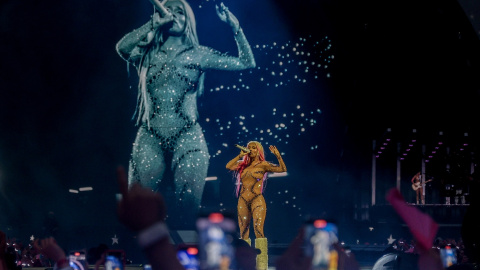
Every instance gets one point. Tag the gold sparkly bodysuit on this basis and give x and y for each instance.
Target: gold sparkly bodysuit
(251, 203)
(169, 132)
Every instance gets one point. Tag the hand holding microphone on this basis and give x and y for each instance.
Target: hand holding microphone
(159, 5)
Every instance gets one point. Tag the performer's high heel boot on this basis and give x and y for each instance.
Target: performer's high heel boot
(262, 258)
(249, 241)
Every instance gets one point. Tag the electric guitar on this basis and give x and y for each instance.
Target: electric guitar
(418, 185)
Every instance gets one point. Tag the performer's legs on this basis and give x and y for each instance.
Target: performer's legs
(147, 164)
(259, 212)
(244, 217)
(190, 167)
(190, 172)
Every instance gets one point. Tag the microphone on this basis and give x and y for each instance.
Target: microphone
(244, 149)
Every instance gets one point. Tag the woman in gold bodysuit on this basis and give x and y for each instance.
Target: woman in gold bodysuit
(251, 170)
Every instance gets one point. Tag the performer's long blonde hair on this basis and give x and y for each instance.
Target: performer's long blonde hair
(154, 43)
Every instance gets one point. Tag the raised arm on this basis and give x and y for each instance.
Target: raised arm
(143, 211)
(49, 247)
(215, 60)
(245, 54)
(281, 165)
(129, 47)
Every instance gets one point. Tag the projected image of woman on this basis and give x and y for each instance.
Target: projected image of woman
(171, 66)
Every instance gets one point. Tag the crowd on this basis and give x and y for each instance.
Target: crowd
(409, 246)
(18, 255)
(143, 212)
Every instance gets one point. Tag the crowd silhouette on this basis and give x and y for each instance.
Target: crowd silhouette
(143, 212)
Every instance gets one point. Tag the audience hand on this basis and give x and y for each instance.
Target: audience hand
(246, 256)
(49, 247)
(346, 261)
(139, 207)
(100, 262)
(293, 258)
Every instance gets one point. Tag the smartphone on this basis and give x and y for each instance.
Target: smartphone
(319, 238)
(115, 259)
(187, 254)
(448, 255)
(78, 259)
(216, 233)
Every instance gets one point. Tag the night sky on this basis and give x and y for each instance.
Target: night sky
(331, 77)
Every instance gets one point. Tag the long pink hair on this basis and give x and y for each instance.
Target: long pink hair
(245, 162)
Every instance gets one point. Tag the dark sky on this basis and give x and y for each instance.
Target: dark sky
(66, 100)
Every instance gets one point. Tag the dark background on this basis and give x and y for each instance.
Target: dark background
(340, 75)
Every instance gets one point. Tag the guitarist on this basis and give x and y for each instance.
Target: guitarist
(417, 185)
